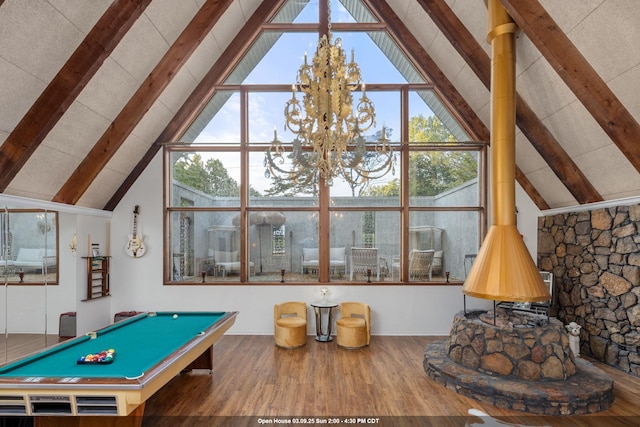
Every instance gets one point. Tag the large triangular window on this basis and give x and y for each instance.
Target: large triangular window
(246, 224)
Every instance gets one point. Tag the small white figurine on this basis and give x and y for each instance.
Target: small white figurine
(574, 337)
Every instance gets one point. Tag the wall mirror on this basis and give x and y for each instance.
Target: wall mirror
(29, 246)
(29, 264)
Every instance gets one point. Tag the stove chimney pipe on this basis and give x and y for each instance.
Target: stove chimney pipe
(504, 269)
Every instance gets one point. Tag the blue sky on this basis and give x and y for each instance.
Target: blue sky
(280, 66)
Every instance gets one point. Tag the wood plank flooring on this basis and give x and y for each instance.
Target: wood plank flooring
(254, 382)
(16, 346)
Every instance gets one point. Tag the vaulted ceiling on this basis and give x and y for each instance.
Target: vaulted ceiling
(90, 89)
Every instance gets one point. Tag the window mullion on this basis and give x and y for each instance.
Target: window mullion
(244, 182)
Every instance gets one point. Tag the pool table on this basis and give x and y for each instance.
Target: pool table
(150, 349)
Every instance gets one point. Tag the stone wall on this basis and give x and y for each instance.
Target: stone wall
(595, 260)
(529, 353)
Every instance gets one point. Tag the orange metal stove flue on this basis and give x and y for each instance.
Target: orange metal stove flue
(503, 269)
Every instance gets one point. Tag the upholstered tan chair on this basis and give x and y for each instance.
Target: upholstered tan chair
(354, 325)
(290, 324)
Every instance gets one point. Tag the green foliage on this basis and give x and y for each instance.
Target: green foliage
(392, 188)
(283, 187)
(432, 172)
(428, 129)
(435, 172)
(210, 177)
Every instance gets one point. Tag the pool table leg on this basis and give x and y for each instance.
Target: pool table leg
(134, 419)
(204, 361)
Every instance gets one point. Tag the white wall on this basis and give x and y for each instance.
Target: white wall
(136, 283)
(527, 218)
(96, 313)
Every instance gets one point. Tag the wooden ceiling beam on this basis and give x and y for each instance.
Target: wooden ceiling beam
(530, 125)
(135, 109)
(67, 84)
(578, 75)
(202, 94)
(450, 94)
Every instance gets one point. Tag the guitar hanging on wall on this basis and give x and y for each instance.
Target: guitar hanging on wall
(135, 246)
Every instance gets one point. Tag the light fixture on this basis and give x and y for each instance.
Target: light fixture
(43, 223)
(329, 130)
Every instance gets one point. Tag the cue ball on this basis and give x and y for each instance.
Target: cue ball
(175, 316)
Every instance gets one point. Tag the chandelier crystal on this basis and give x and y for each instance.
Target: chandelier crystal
(329, 131)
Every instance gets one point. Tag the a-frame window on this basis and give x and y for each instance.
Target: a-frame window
(250, 226)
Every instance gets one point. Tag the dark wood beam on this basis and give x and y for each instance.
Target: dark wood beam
(63, 89)
(141, 101)
(578, 75)
(530, 125)
(458, 105)
(202, 94)
(531, 191)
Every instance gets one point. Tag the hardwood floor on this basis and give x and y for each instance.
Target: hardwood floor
(255, 383)
(16, 346)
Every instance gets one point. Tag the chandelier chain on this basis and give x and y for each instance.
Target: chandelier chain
(329, 16)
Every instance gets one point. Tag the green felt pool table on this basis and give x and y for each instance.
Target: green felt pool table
(150, 349)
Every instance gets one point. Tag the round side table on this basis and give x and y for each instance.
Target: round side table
(321, 309)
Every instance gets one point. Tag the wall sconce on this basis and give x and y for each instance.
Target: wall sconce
(74, 244)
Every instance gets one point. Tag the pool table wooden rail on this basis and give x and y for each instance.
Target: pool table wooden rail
(51, 399)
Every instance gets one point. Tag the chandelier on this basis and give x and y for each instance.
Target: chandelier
(329, 131)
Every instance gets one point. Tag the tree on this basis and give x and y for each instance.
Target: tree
(435, 172)
(392, 188)
(429, 129)
(432, 172)
(210, 177)
(372, 161)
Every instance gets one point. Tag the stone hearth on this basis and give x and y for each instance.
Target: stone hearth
(525, 367)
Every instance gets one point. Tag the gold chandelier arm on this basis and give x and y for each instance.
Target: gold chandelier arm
(293, 116)
(300, 167)
(365, 114)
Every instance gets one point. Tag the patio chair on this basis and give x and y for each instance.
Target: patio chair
(363, 259)
(420, 264)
